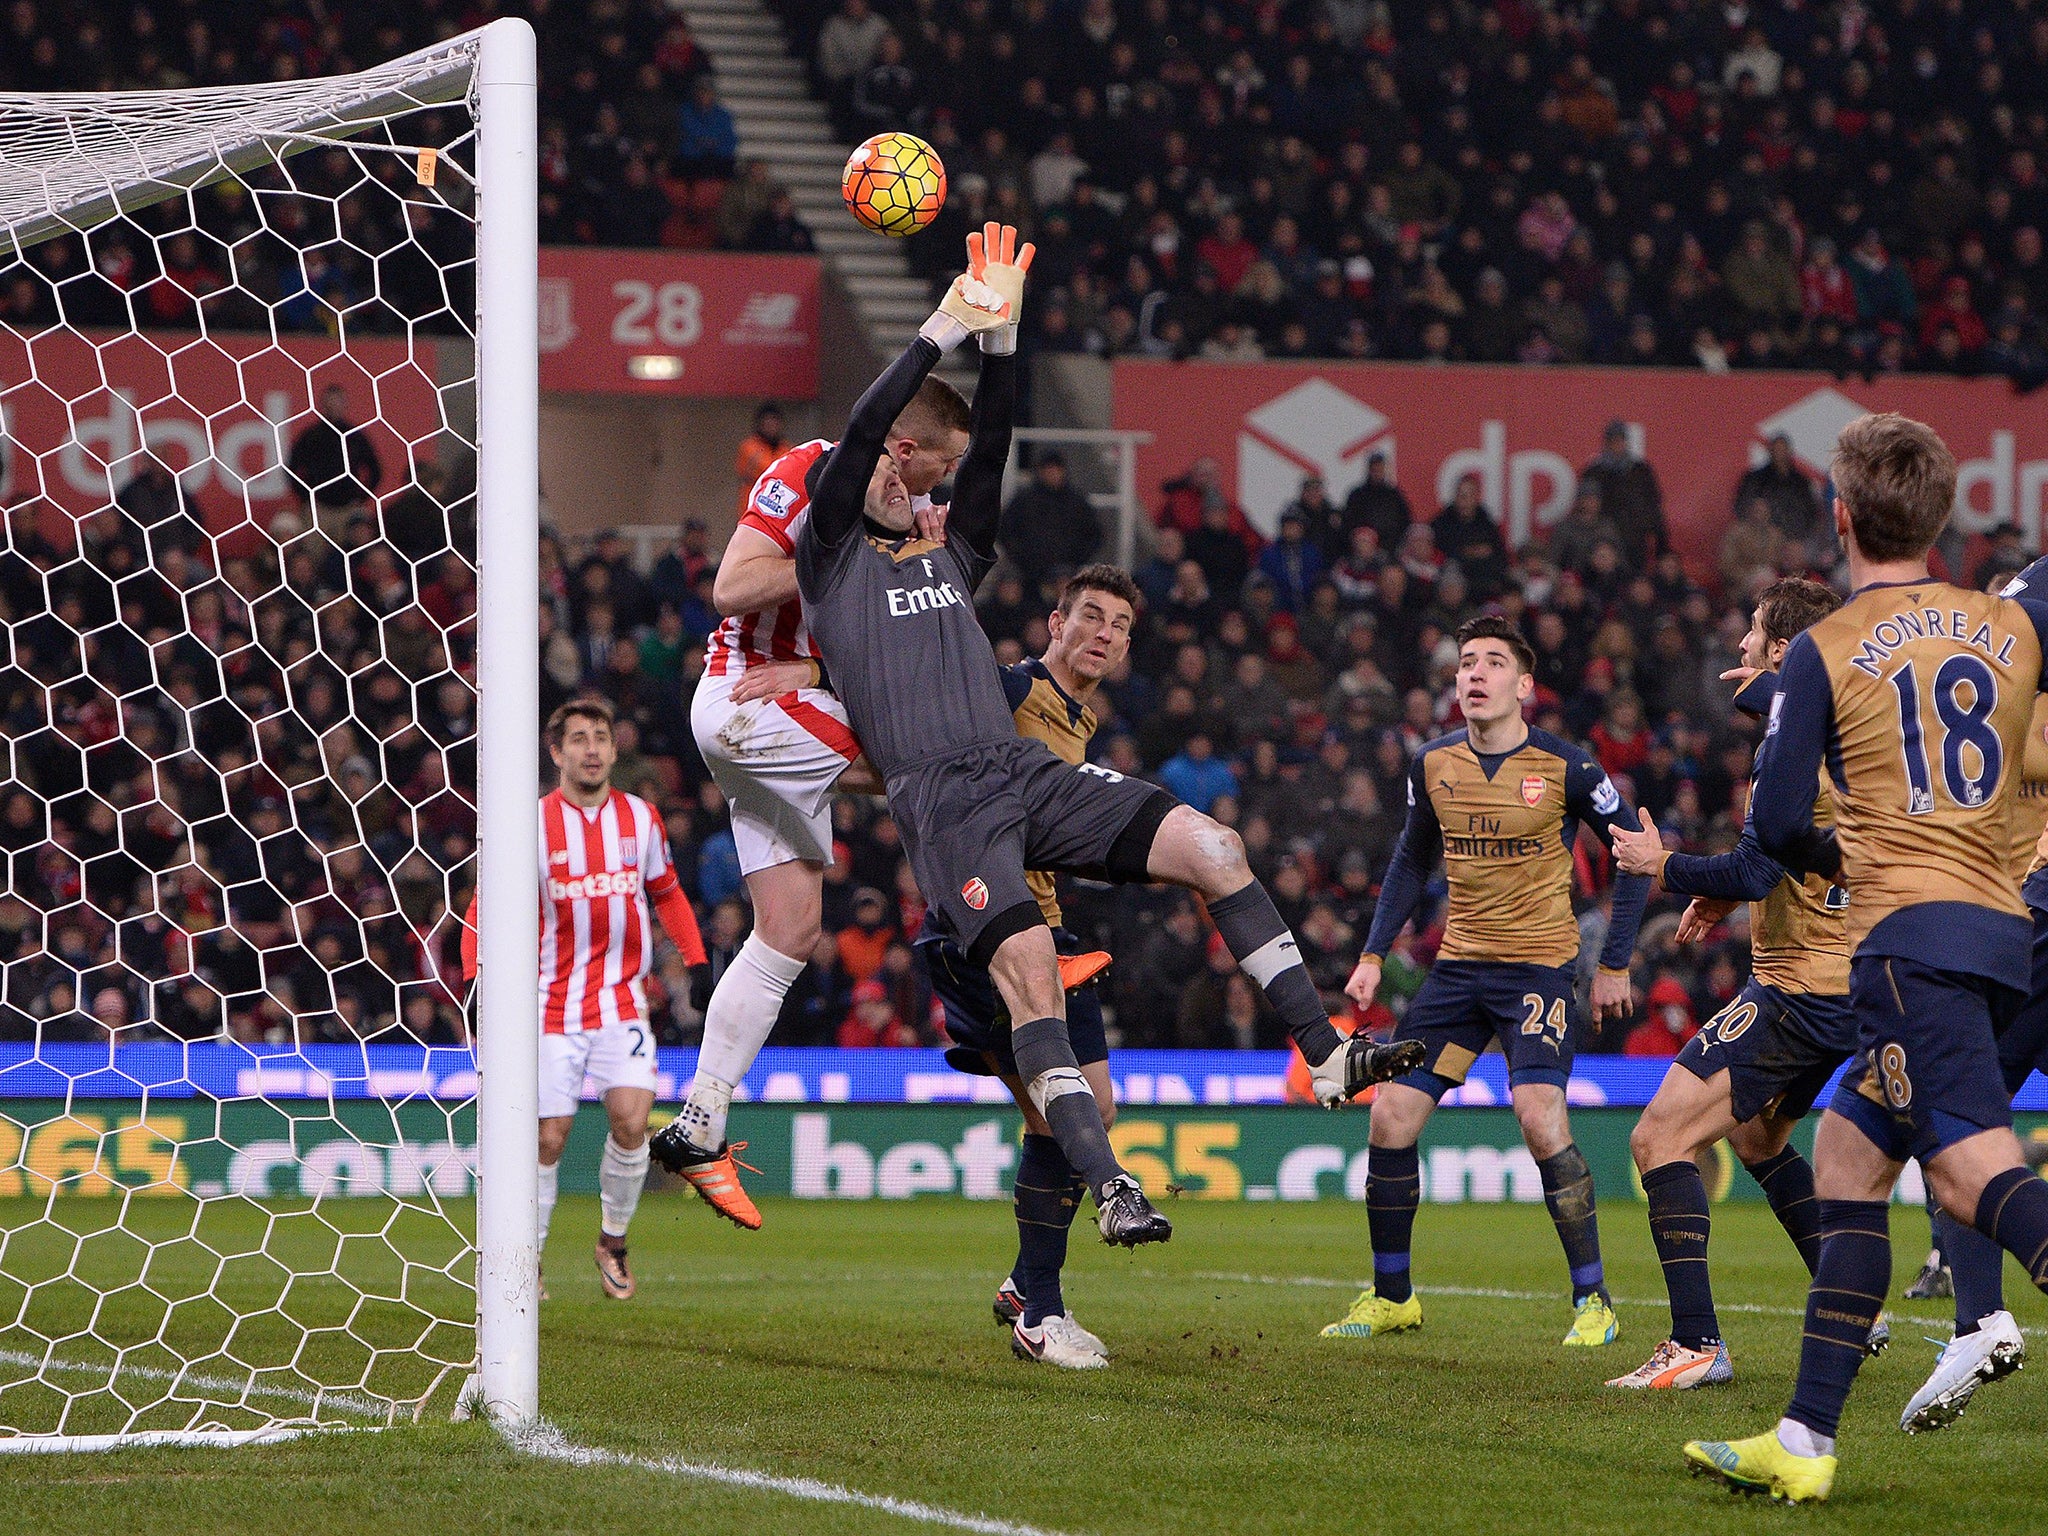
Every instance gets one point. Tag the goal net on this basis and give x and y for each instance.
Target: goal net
(267, 417)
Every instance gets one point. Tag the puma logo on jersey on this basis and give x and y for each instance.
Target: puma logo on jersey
(922, 600)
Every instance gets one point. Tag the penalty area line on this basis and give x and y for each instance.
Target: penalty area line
(1492, 1293)
(547, 1442)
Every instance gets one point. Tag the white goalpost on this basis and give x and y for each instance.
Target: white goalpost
(268, 713)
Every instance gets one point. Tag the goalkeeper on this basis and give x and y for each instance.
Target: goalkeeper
(977, 804)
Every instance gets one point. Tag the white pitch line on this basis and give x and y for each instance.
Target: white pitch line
(364, 1406)
(1488, 1293)
(550, 1444)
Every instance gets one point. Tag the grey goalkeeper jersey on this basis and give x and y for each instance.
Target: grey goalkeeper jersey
(894, 615)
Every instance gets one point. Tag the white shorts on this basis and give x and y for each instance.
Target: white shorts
(775, 761)
(616, 1056)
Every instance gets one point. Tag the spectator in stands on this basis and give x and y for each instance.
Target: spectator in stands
(1197, 775)
(887, 94)
(1779, 483)
(335, 461)
(1752, 546)
(1291, 563)
(1375, 502)
(1668, 1024)
(873, 1020)
(1049, 528)
(1630, 497)
(848, 45)
(758, 449)
(780, 231)
(1465, 532)
(707, 140)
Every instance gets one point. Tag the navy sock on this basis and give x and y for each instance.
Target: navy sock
(1679, 1226)
(1848, 1290)
(1046, 1196)
(1787, 1182)
(1258, 940)
(1978, 1265)
(1568, 1191)
(2013, 1211)
(1393, 1190)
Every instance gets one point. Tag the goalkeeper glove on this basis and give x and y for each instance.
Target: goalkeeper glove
(970, 307)
(993, 258)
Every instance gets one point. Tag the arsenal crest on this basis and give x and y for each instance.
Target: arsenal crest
(1532, 789)
(975, 893)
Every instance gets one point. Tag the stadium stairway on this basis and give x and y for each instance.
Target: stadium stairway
(780, 122)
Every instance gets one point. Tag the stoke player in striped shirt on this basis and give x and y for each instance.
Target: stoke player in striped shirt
(778, 759)
(604, 863)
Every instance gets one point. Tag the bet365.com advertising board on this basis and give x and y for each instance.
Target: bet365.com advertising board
(425, 1151)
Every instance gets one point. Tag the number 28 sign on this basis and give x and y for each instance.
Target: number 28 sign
(678, 323)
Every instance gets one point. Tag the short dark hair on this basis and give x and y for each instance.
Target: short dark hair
(1898, 480)
(588, 707)
(1790, 607)
(1113, 579)
(1492, 627)
(936, 407)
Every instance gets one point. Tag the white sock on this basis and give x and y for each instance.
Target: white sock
(1801, 1441)
(620, 1178)
(550, 1185)
(743, 1010)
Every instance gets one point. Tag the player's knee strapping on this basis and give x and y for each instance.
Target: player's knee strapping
(1259, 941)
(1787, 1182)
(1679, 1227)
(1848, 1290)
(1393, 1191)
(1046, 1196)
(621, 1175)
(1052, 1077)
(1977, 1265)
(1568, 1191)
(2013, 1212)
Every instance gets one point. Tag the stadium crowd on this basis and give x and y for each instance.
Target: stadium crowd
(636, 150)
(1856, 186)
(239, 797)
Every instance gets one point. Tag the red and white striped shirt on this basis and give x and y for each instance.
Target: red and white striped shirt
(597, 870)
(774, 506)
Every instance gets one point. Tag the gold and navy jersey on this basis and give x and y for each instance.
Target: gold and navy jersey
(1798, 937)
(2030, 801)
(1917, 696)
(1047, 712)
(1504, 823)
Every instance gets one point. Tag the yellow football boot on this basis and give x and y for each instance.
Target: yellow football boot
(1373, 1314)
(1593, 1325)
(1761, 1465)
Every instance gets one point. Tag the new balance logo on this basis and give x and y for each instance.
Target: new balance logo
(903, 605)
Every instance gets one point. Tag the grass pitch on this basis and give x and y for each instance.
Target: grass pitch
(852, 1344)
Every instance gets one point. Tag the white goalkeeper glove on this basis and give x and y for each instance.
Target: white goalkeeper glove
(970, 308)
(993, 256)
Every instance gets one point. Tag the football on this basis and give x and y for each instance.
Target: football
(895, 184)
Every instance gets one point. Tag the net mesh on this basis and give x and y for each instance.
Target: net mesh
(236, 803)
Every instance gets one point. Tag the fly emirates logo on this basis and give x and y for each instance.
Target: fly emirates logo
(938, 594)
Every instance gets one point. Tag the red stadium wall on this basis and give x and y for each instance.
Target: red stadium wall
(222, 411)
(1527, 431)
